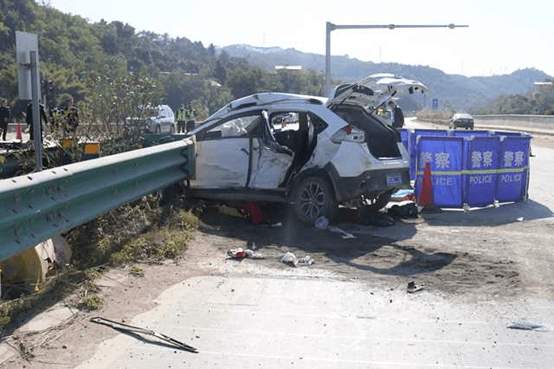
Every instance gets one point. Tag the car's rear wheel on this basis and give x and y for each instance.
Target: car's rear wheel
(158, 129)
(172, 129)
(314, 198)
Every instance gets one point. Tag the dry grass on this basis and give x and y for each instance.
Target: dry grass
(139, 232)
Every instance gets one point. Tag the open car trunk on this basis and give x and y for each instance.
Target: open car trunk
(380, 138)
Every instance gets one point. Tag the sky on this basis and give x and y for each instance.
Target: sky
(502, 35)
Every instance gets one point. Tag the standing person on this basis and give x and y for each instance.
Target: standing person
(191, 118)
(72, 117)
(55, 115)
(4, 118)
(397, 115)
(29, 119)
(386, 115)
(181, 120)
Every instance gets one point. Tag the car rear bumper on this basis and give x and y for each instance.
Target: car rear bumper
(462, 124)
(374, 181)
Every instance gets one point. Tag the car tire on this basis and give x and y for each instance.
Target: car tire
(158, 129)
(172, 129)
(314, 198)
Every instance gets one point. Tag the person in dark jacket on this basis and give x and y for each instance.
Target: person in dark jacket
(4, 118)
(71, 115)
(397, 115)
(29, 119)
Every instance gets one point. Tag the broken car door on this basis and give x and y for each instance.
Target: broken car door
(270, 159)
(223, 153)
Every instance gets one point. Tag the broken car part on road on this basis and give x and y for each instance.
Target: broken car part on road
(125, 328)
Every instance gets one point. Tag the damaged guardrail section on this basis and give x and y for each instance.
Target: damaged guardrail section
(37, 206)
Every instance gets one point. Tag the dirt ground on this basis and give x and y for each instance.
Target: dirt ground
(493, 253)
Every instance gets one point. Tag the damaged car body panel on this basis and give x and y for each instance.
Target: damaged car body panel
(311, 152)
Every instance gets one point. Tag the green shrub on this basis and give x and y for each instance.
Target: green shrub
(91, 302)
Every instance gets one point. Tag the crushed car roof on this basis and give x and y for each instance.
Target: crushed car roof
(266, 98)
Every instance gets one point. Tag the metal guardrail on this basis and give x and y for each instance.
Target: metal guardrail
(37, 206)
(532, 124)
(529, 123)
(518, 118)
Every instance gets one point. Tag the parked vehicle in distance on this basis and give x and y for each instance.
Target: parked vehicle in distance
(333, 152)
(162, 120)
(461, 120)
(157, 119)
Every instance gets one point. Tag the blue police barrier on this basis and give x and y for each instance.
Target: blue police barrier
(475, 168)
(445, 156)
(404, 136)
(509, 134)
(513, 168)
(480, 175)
(413, 134)
(469, 134)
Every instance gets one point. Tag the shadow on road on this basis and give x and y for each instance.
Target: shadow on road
(490, 216)
(369, 251)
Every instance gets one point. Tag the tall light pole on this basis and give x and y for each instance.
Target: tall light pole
(331, 27)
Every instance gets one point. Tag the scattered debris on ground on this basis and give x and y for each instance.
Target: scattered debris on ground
(291, 259)
(322, 223)
(531, 326)
(345, 235)
(413, 288)
(240, 254)
(403, 211)
(132, 330)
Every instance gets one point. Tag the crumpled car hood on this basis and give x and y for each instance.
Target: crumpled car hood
(373, 90)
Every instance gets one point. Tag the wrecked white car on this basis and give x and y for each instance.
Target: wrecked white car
(330, 152)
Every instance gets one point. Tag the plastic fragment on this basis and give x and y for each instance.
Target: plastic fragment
(531, 326)
(240, 254)
(345, 235)
(291, 259)
(322, 223)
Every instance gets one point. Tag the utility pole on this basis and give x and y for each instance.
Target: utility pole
(29, 84)
(331, 27)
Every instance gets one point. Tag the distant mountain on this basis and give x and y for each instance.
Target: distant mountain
(457, 91)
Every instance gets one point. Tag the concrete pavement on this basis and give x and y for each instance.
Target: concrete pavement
(302, 322)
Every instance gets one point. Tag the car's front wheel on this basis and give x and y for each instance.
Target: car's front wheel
(314, 198)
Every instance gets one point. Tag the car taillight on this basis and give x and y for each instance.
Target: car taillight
(349, 134)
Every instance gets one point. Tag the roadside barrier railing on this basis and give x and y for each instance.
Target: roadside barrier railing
(38, 206)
